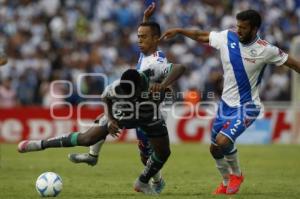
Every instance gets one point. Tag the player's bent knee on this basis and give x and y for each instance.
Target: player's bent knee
(228, 148)
(226, 145)
(216, 151)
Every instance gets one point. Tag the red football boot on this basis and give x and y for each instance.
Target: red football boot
(221, 189)
(234, 184)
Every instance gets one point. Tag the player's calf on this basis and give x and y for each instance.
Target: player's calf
(153, 166)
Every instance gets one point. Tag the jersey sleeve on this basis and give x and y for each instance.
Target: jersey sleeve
(216, 39)
(276, 56)
(161, 58)
(109, 91)
(106, 92)
(157, 67)
(158, 71)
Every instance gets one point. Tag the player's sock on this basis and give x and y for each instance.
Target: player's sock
(61, 141)
(157, 177)
(234, 164)
(224, 170)
(154, 164)
(95, 149)
(158, 183)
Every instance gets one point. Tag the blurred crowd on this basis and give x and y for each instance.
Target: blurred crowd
(66, 40)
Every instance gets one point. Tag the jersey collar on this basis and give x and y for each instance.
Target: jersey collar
(251, 43)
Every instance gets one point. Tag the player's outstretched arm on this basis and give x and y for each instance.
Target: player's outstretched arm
(293, 64)
(175, 73)
(149, 12)
(197, 35)
(113, 127)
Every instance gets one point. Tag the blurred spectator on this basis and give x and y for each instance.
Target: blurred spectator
(214, 86)
(53, 91)
(8, 95)
(278, 86)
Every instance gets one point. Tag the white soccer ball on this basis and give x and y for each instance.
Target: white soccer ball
(48, 184)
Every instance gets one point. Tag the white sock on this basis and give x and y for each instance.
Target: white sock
(234, 164)
(157, 177)
(224, 170)
(95, 149)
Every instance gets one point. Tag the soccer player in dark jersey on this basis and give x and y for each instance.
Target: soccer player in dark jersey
(130, 104)
(150, 57)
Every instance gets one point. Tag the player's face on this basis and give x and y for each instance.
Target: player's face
(245, 32)
(147, 42)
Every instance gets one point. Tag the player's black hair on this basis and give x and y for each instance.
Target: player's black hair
(130, 75)
(155, 27)
(250, 15)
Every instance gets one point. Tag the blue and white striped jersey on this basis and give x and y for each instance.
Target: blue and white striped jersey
(243, 65)
(155, 65)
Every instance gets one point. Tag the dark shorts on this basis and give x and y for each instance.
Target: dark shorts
(155, 129)
(145, 132)
(151, 128)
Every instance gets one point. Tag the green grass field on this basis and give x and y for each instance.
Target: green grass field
(270, 172)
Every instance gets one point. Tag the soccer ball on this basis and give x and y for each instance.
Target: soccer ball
(48, 184)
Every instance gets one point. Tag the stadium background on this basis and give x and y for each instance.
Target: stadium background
(57, 48)
(51, 41)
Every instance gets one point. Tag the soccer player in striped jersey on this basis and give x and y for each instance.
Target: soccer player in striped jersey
(244, 56)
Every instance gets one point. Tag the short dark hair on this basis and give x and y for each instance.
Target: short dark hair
(130, 75)
(250, 15)
(155, 27)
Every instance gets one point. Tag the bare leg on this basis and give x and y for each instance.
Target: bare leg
(90, 137)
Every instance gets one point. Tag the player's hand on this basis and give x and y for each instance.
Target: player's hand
(149, 11)
(113, 128)
(169, 34)
(157, 88)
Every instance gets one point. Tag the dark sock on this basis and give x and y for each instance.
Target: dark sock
(61, 141)
(153, 165)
